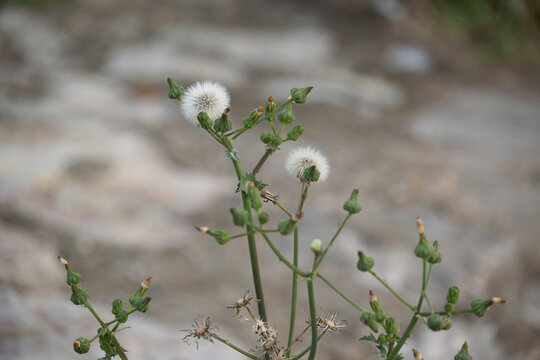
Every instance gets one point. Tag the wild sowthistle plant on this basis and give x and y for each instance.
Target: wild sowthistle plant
(206, 105)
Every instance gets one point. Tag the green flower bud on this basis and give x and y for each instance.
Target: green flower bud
(376, 306)
(316, 247)
(122, 316)
(175, 91)
(240, 217)
(270, 109)
(116, 306)
(142, 304)
(253, 117)
(365, 263)
(204, 120)
(352, 205)
(295, 132)
(221, 235)
(424, 249)
(368, 317)
(286, 226)
(463, 354)
(448, 308)
(390, 326)
(79, 295)
(453, 295)
(435, 322)
(447, 323)
(286, 116)
(436, 256)
(255, 196)
(141, 290)
(81, 345)
(299, 95)
(106, 343)
(479, 307)
(266, 138)
(73, 277)
(263, 217)
(311, 174)
(223, 123)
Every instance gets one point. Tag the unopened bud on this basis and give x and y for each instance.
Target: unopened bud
(270, 109)
(117, 306)
(376, 306)
(286, 116)
(221, 235)
(479, 307)
(295, 132)
(463, 354)
(204, 120)
(453, 295)
(79, 295)
(223, 123)
(447, 324)
(81, 345)
(390, 326)
(175, 91)
(299, 95)
(263, 217)
(254, 196)
(254, 116)
(142, 304)
(316, 247)
(423, 249)
(435, 322)
(368, 317)
(352, 205)
(286, 226)
(436, 256)
(365, 263)
(240, 217)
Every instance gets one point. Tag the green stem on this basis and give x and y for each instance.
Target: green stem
(313, 319)
(415, 316)
(382, 281)
(304, 352)
(119, 349)
(252, 250)
(361, 309)
(330, 243)
(294, 292)
(282, 208)
(283, 259)
(231, 345)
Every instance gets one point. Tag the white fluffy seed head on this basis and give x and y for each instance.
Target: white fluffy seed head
(207, 96)
(302, 158)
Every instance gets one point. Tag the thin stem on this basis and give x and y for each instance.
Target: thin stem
(261, 162)
(303, 196)
(252, 249)
(119, 348)
(313, 319)
(282, 208)
(273, 128)
(283, 259)
(304, 352)
(330, 243)
(294, 292)
(358, 307)
(382, 281)
(289, 348)
(231, 345)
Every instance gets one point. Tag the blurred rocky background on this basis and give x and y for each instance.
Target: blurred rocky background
(429, 108)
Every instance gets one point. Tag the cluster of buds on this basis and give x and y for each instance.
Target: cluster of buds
(424, 249)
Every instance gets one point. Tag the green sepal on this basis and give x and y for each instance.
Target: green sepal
(122, 316)
(73, 277)
(286, 116)
(79, 295)
(266, 138)
(463, 354)
(435, 322)
(376, 306)
(286, 226)
(263, 218)
(365, 263)
(436, 255)
(390, 326)
(204, 120)
(142, 304)
(479, 307)
(368, 317)
(352, 205)
(295, 132)
(255, 197)
(106, 343)
(299, 95)
(447, 323)
(270, 110)
(453, 295)
(116, 306)
(175, 91)
(221, 235)
(448, 308)
(240, 217)
(81, 345)
(223, 124)
(311, 174)
(252, 119)
(423, 249)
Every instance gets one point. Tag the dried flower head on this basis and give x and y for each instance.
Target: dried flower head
(200, 330)
(330, 324)
(209, 97)
(303, 158)
(244, 301)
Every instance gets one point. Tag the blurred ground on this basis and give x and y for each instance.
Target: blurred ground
(97, 165)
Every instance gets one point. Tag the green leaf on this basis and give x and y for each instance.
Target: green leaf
(243, 185)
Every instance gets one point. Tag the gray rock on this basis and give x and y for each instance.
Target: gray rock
(407, 59)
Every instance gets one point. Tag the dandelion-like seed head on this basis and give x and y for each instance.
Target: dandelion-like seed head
(209, 97)
(303, 158)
